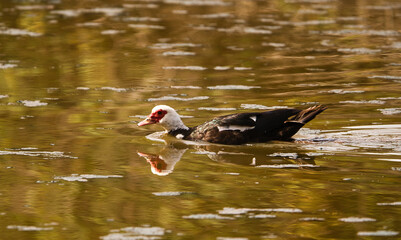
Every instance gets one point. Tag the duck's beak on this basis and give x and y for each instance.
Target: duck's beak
(147, 121)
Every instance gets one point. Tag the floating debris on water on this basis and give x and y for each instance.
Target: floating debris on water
(84, 177)
(357, 219)
(380, 233)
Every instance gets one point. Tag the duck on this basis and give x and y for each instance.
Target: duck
(237, 128)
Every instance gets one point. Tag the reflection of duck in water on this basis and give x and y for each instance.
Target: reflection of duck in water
(234, 129)
(163, 164)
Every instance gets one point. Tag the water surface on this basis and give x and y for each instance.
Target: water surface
(77, 76)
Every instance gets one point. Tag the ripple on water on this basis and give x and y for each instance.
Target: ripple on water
(173, 45)
(84, 177)
(29, 228)
(359, 50)
(208, 216)
(232, 87)
(380, 102)
(390, 111)
(47, 154)
(288, 166)
(216, 109)
(114, 89)
(18, 32)
(110, 12)
(130, 233)
(191, 68)
(198, 2)
(311, 219)
(178, 53)
(357, 219)
(379, 233)
(173, 98)
(237, 211)
(170, 194)
(389, 204)
(34, 103)
(7, 65)
(366, 32)
(261, 107)
(146, 26)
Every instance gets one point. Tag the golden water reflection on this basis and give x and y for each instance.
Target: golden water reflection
(76, 77)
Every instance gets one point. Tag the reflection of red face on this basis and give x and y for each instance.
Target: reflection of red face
(156, 163)
(154, 117)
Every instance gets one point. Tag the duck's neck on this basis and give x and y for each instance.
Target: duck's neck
(173, 122)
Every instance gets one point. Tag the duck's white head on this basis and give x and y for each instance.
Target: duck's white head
(166, 116)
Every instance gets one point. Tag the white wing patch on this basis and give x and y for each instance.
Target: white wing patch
(253, 118)
(234, 127)
(179, 136)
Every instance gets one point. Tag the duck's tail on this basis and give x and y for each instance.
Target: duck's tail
(293, 124)
(308, 114)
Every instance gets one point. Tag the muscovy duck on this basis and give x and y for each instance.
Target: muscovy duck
(235, 129)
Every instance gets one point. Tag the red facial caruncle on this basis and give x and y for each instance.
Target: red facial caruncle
(154, 117)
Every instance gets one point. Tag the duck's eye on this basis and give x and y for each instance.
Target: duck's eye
(159, 113)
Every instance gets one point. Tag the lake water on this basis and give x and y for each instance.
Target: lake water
(77, 76)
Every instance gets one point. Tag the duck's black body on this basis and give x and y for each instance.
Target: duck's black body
(253, 127)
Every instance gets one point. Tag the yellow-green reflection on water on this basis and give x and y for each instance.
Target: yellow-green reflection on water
(76, 77)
